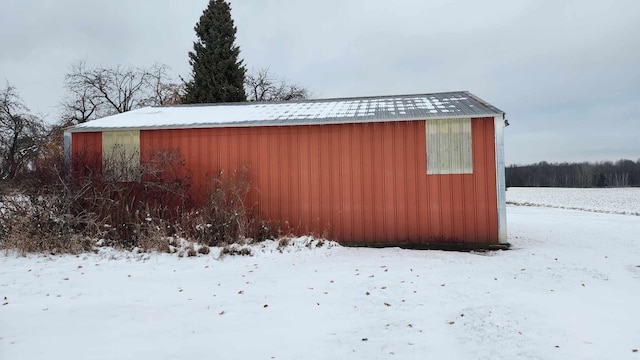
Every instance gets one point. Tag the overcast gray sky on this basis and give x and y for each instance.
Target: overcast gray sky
(566, 72)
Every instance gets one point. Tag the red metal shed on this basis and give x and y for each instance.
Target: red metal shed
(410, 170)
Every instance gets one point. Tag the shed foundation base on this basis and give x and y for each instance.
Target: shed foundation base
(448, 246)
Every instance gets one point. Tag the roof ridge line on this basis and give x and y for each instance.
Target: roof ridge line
(302, 101)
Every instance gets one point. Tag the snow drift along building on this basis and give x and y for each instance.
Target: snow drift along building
(410, 170)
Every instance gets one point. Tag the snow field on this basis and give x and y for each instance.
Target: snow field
(615, 200)
(568, 289)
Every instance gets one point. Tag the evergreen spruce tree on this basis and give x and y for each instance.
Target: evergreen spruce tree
(217, 73)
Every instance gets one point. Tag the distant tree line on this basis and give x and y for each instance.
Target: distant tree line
(621, 173)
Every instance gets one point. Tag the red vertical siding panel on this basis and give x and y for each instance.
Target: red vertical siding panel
(305, 180)
(315, 179)
(457, 208)
(421, 184)
(252, 162)
(183, 145)
(263, 176)
(376, 225)
(281, 177)
(446, 196)
(364, 140)
(293, 171)
(86, 144)
(333, 180)
(221, 143)
(272, 159)
(284, 137)
(269, 172)
(377, 175)
(253, 149)
(373, 224)
(233, 152)
(147, 144)
(358, 182)
(177, 140)
(86, 150)
(399, 182)
(484, 176)
(471, 231)
(192, 143)
(349, 164)
(358, 213)
(331, 172)
(369, 144)
(490, 166)
(480, 185)
(385, 172)
(413, 167)
(401, 224)
(434, 200)
(213, 159)
(396, 166)
(332, 168)
(324, 178)
(489, 186)
(340, 154)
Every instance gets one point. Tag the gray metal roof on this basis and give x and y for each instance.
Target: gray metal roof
(461, 104)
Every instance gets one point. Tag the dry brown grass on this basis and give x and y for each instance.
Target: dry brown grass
(40, 226)
(56, 214)
(226, 217)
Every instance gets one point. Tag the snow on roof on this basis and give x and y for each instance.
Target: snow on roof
(305, 112)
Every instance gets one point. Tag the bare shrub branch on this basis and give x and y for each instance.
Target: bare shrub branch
(55, 215)
(226, 218)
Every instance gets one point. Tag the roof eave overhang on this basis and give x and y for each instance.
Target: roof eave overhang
(272, 123)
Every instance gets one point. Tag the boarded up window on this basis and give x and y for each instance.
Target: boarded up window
(449, 146)
(121, 155)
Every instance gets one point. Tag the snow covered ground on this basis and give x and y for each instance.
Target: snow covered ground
(569, 289)
(614, 201)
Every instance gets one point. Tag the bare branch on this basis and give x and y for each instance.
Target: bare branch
(102, 91)
(21, 134)
(260, 85)
(162, 90)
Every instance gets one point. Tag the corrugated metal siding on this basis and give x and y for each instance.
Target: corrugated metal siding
(86, 149)
(357, 183)
(121, 155)
(83, 143)
(449, 146)
(127, 142)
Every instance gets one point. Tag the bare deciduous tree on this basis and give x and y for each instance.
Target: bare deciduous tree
(161, 87)
(21, 134)
(260, 85)
(80, 106)
(103, 91)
